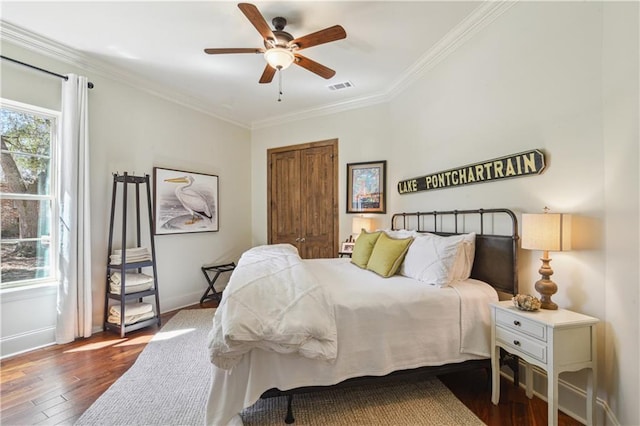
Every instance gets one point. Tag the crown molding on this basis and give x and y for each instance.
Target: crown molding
(481, 17)
(350, 104)
(40, 44)
(60, 52)
(478, 19)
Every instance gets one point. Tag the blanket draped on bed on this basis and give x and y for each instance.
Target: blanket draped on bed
(272, 302)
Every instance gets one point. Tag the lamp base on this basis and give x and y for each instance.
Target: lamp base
(546, 288)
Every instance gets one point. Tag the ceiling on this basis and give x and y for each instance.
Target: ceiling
(159, 45)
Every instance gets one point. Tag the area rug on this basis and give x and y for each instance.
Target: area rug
(169, 382)
(426, 403)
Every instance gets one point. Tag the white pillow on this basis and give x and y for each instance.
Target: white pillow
(464, 260)
(400, 234)
(438, 260)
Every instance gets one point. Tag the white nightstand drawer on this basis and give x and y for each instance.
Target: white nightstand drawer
(520, 343)
(521, 324)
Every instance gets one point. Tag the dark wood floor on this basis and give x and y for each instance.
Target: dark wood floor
(55, 385)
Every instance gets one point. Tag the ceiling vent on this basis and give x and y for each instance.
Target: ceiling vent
(341, 86)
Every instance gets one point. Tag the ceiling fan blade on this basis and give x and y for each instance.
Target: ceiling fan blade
(314, 67)
(255, 17)
(233, 50)
(267, 74)
(320, 37)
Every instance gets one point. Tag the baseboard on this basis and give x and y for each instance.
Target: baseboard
(39, 338)
(181, 301)
(26, 342)
(572, 400)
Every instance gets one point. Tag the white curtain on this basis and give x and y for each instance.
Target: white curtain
(74, 290)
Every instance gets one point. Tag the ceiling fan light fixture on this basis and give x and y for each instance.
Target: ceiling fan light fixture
(279, 58)
(281, 48)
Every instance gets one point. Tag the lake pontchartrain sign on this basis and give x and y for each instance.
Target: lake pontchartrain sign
(522, 164)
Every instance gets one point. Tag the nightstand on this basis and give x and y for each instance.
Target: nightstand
(344, 254)
(555, 341)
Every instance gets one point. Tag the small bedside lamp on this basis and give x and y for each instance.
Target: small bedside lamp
(546, 232)
(359, 223)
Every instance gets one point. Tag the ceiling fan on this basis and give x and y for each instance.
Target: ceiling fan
(281, 48)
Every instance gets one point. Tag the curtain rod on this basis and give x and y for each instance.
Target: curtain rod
(64, 77)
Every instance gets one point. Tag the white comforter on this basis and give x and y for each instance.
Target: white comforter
(383, 325)
(274, 303)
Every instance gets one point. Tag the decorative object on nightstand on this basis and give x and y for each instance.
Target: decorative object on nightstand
(346, 248)
(526, 302)
(553, 340)
(546, 232)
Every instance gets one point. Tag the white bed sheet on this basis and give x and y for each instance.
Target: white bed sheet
(384, 325)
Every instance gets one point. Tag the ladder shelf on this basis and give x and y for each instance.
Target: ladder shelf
(124, 267)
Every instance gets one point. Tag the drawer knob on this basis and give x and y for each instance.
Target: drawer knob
(516, 342)
(516, 323)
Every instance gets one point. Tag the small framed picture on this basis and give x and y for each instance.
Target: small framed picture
(366, 187)
(347, 247)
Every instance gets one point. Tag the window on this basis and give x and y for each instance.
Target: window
(28, 194)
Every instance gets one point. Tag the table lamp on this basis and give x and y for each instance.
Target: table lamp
(547, 232)
(359, 223)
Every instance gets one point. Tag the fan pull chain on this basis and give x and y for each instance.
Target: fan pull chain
(279, 84)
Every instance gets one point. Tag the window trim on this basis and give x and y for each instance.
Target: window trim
(53, 196)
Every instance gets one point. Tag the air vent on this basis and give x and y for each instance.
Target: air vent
(341, 86)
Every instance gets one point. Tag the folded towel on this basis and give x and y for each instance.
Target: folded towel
(116, 288)
(133, 251)
(131, 309)
(131, 257)
(117, 259)
(131, 278)
(130, 319)
(135, 254)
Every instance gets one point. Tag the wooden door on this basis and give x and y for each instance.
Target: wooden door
(303, 198)
(317, 217)
(284, 225)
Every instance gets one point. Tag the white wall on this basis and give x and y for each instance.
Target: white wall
(621, 134)
(561, 77)
(363, 135)
(133, 131)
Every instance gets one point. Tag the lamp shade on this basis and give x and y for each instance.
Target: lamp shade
(359, 223)
(546, 231)
(279, 58)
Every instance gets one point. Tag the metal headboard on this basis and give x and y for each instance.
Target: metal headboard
(496, 254)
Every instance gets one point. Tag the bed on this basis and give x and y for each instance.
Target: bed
(344, 324)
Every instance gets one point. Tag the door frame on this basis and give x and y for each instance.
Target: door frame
(336, 176)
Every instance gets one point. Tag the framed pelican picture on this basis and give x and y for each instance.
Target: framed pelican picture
(184, 202)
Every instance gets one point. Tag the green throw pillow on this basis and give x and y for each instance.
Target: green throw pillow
(363, 248)
(387, 255)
